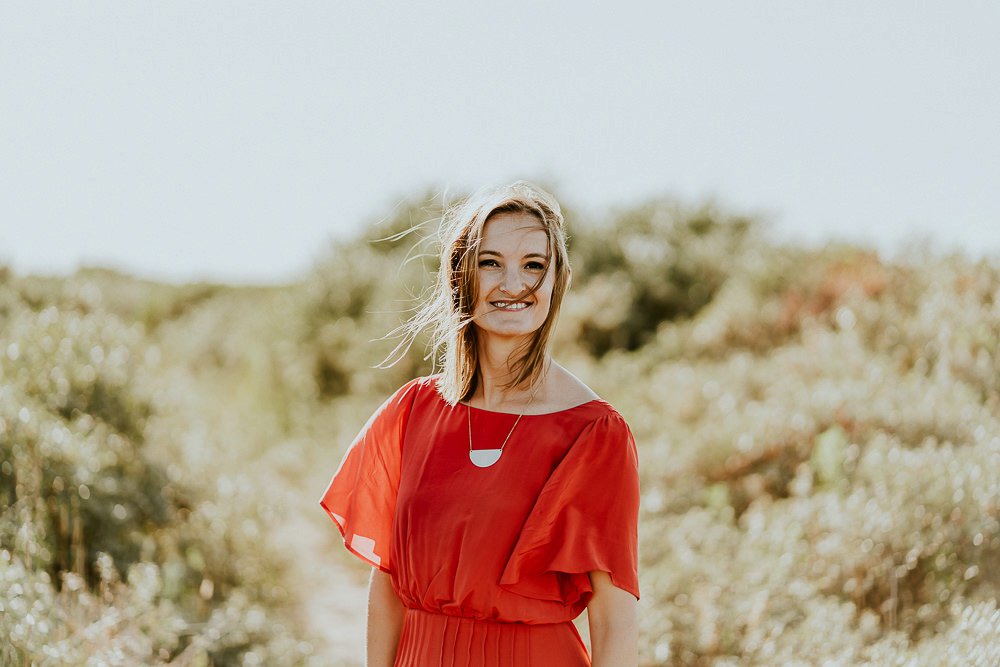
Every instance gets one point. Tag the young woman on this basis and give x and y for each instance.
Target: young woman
(499, 498)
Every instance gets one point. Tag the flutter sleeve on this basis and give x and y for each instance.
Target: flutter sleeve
(585, 519)
(361, 497)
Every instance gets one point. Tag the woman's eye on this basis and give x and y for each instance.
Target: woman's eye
(535, 266)
(488, 262)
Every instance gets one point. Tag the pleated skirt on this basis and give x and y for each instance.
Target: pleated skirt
(437, 640)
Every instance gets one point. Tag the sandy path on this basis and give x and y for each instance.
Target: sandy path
(326, 584)
(331, 593)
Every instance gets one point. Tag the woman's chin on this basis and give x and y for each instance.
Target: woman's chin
(507, 332)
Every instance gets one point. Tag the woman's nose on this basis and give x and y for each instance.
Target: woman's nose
(511, 283)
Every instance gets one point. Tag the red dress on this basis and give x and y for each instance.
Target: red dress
(491, 563)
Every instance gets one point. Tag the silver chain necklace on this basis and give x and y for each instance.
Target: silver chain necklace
(484, 458)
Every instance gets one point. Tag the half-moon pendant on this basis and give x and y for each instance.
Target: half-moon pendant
(484, 458)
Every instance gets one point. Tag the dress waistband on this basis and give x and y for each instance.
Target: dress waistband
(463, 617)
(436, 638)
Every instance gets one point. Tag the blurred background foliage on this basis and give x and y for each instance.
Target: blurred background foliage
(818, 434)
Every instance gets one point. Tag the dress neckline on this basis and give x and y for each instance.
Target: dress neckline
(528, 414)
(514, 414)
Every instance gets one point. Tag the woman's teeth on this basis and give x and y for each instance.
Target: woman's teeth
(508, 305)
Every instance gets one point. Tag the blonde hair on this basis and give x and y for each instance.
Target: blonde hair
(447, 313)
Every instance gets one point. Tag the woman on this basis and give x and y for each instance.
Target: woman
(499, 498)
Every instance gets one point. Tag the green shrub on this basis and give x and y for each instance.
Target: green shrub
(655, 263)
(83, 503)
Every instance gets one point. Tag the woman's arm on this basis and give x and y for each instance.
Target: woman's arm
(385, 620)
(614, 628)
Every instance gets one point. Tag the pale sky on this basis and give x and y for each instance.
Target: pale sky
(232, 141)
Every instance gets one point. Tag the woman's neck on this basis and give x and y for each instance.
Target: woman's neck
(495, 372)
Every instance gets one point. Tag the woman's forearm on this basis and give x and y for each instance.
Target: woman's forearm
(385, 621)
(614, 645)
(614, 624)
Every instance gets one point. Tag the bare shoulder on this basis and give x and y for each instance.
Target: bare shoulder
(564, 390)
(578, 387)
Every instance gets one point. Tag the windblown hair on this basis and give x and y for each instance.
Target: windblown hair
(448, 312)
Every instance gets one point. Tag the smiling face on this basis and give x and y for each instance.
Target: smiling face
(513, 257)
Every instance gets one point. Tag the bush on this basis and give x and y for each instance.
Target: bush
(82, 504)
(655, 263)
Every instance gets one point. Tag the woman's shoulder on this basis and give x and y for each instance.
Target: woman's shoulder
(565, 391)
(418, 383)
(574, 395)
(405, 395)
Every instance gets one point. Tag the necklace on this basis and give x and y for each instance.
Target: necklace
(484, 458)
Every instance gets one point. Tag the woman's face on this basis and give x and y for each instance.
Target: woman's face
(513, 256)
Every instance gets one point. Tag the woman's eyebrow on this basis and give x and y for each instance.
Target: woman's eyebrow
(498, 254)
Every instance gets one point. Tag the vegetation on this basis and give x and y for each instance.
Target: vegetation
(818, 434)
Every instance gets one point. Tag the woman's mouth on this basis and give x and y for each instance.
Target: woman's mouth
(509, 305)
